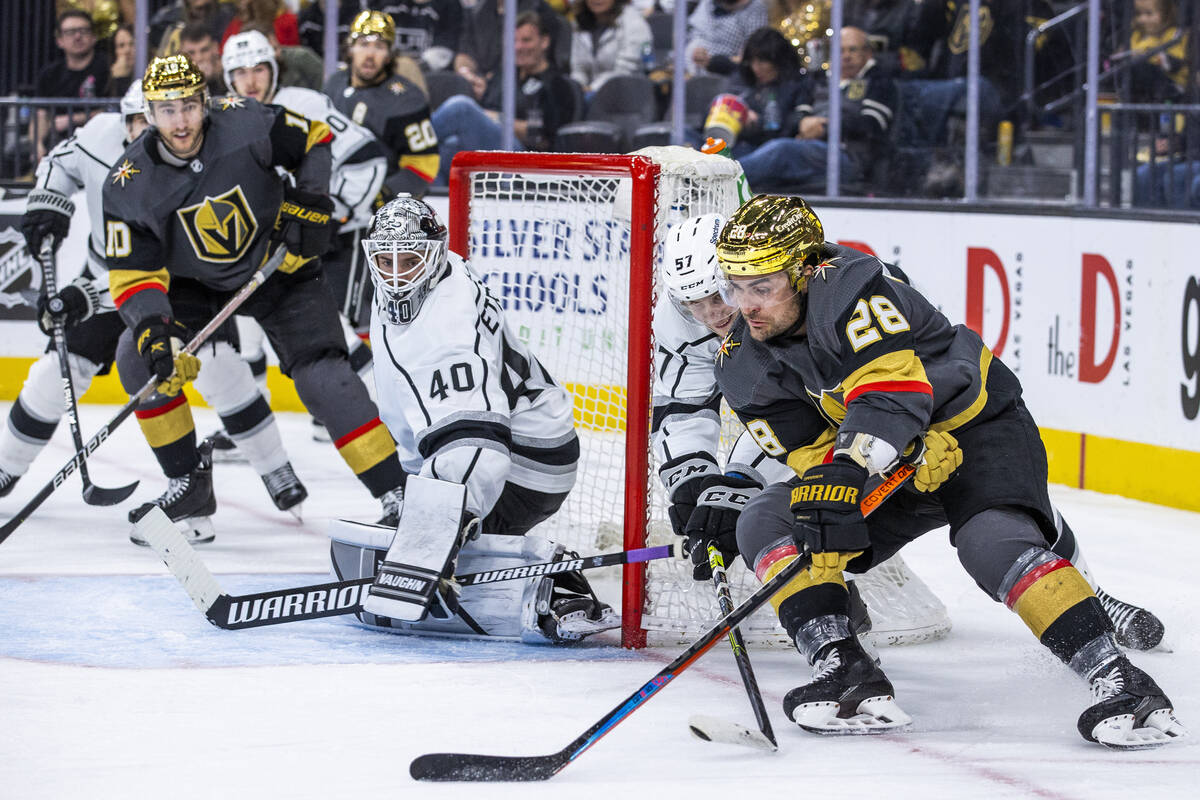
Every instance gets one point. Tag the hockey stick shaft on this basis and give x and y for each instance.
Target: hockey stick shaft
(472, 767)
(92, 494)
(716, 563)
(82, 453)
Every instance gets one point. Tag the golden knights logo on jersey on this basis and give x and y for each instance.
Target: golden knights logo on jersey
(831, 403)
(220, 228)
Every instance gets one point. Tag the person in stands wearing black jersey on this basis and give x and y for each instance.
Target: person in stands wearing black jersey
(81, 72)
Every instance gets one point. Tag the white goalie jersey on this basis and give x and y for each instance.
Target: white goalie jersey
(687, 403)
(82, 163)
(467, 401)
(359, 161)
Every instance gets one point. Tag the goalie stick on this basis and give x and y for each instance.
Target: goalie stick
(295, 604)
(473, 767)
(715, 729)
(82, 453)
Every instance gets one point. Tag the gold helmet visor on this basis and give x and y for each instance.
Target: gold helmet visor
(173, 78)
(373, 23)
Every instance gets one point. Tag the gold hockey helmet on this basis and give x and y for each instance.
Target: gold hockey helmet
(373, 23)
(173, 78)
(770, 233)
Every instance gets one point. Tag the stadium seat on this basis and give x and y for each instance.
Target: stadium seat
(589, 136)
(627, 100)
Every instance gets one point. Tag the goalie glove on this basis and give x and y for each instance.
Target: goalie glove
(77, 301)
(719, 503)
(160, 343)
(681, 478)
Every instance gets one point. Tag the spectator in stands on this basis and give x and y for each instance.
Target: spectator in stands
(120, 74)
(198, 44)
(610, 38)
(426, 30)
(170, 20)
(1159, 49)
(797, 163)
(106, 14)
(887, 25)
(271, 13)
(81, 72)
(773, 90)
(717, 33)
(478, 56)
(298, 66)
(312, 23)
(545, 101)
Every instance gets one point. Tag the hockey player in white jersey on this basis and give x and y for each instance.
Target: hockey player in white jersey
(85, 162)
(359, 169)
(472, 410)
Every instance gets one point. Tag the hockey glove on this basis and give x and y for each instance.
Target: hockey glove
(46, 214)
(936, 461)
(681, 477)
(718, 506)
(305, 227)
(76, 302)
(829, 520)
(160, 343)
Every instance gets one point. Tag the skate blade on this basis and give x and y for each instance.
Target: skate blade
(229, 457)
(297, 511)
(873, 715)
(1118, 733)
(715, 729)
(197, 530)
(576, 625)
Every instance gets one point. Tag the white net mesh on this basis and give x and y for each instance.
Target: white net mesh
(554, 248)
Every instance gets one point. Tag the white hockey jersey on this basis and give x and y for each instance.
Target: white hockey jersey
(359, 161)
(687, 403)
(83, 162)
(467, 401)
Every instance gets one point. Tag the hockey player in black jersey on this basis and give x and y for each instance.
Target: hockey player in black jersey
(190, 212)
(826, 344)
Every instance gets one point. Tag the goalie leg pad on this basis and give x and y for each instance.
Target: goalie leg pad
(422, 551)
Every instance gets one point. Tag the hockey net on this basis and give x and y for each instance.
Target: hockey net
(569, 245)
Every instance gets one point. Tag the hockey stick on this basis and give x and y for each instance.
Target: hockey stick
(92, 494)
(714, 729)
(471, 767)
(82, 453)
(299, 603)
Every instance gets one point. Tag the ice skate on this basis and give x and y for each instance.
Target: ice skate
(1137, 628)
(391, 502)
(1130, 712)
(7, 482)
(848, 694)
(572, 610)
(189, 502)
(225, 450)
(286, 490)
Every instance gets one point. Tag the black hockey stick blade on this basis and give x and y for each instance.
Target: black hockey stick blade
(95, 495)
(471, 767)
(715, 729)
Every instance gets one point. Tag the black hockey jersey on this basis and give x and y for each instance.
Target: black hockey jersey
(874, 356)
(209, 218)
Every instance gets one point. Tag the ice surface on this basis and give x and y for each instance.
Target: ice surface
(112, 684)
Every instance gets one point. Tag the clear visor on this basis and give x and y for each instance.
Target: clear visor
(712, 312)
(398, 268)
(751, 292)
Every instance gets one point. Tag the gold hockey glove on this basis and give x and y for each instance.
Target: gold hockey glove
(160, 344)
(942, 456)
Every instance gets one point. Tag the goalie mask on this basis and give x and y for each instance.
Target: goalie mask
(407, 255)
(689, 272)
(246, 51)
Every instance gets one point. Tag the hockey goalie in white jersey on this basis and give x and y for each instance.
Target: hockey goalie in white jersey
(486, 437)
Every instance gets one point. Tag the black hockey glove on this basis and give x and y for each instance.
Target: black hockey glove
(681, 477)
(305, 227)
(829, 520)
(46, 214)
(76, 302)
(718, 506)
(160, 342)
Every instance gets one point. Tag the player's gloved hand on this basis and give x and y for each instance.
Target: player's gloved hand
(936, 458)
(76, 302)
(718, 506)
(160, 343)
(46, 214)
(681, 477)
(829, 520)
(305, 227)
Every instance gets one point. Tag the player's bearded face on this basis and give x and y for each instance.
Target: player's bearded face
(369, 56)
(180, 124)
(713, 313)
(769, 303)
(253, 82)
